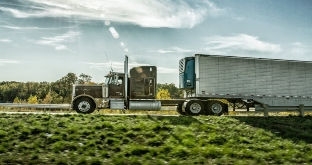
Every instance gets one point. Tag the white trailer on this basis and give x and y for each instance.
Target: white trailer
(266, 84)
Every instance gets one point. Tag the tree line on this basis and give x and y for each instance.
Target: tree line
(60, 91)
(41, 92)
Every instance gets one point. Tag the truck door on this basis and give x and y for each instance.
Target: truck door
(116, 86)
(187, 73)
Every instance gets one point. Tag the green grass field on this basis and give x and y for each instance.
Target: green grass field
(147, 139)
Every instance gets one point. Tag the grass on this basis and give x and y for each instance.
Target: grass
(170, 110)
(102, 139)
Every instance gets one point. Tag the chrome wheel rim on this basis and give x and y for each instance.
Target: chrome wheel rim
(84, 106)
(195, 108)
(216, 108)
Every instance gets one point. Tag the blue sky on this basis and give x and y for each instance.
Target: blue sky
(43, 40)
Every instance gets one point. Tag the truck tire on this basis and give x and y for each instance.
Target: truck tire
(216, 108)
(84, 105)
(194, 107)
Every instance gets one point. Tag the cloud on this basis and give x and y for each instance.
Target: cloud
(116, 66)
(32, 27)
(165, 70)
(7, 61)
(298, 51)
(214, 10)
(119, 67)
(19, 28)
(16, 13)
(174, 50)
(58, 42)
(159, 13)
(240, 43)
(5, 40)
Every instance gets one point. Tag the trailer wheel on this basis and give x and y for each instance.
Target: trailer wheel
(216, 108)
(194, 107)
(84, 105)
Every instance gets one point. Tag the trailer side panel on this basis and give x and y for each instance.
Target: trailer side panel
(224, 75)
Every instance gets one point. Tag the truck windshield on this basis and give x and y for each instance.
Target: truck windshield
(114, 79)
(107, 80)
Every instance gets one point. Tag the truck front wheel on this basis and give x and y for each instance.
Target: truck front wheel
(216, 108)
(194, 107)
(84, 105)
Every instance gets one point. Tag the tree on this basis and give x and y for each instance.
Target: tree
(174, 92)
(42, 90)
(17, 100)
(60, 90)
(56, 92)
(47, 99)
(8, 91)
(163, 94)
(56, 98)
(32, 100)
(84, 79)
(63, 87)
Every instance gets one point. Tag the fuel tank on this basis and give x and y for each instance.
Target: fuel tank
(144, 105)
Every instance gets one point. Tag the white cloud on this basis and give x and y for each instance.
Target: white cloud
(16, 13)
(164, 70)
(112, 65)
(60, 47)
(119, 67)
(299, 51)
(5, 40)
(19, 28)
(160, 13)
(240, 43)
(213, 9)
(174, 50)
(59, 41)
(7, 61)
(32, 27)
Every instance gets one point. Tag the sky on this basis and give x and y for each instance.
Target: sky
(43, 40)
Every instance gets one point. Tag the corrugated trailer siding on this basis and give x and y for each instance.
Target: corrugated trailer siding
(262, 78)
(297, 75)
(308, 77)
(225, 75)
(280, 79)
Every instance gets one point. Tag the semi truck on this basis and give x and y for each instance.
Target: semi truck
(210, 84)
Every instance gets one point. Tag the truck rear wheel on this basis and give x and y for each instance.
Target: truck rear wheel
(84, 105)
(194, 107)
(216, 108)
